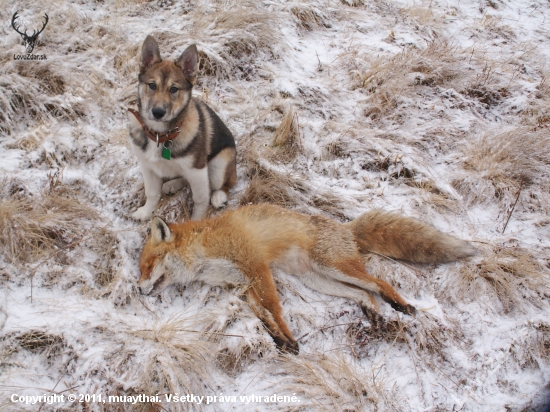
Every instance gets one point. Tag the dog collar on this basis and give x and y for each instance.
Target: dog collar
(154, 136)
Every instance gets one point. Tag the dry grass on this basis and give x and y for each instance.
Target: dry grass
(427, 337)
(531, 346)
(309, 17)
(244, 32)
(173, 357)
(509, 157)
(39, 341)
(509, 280)
(249, 51)
(330, 382)
(268, 186)
(389, 79)
(266, 183)
(32, 228)
(503, 163)
(420, 14)
(287, 141)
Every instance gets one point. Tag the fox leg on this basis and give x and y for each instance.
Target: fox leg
(324, 283)
(352, 271)
(264, 301)
(335, 247)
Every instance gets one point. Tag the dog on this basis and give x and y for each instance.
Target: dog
(177, 137)
(240, 247)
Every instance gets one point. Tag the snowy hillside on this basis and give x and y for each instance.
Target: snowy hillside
(439, 110)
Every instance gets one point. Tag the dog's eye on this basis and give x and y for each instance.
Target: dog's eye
(173, 89)
(152, 86)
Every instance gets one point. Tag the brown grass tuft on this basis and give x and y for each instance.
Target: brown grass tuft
(287, 142)
(511, 156)
(505, 163)
(308, 17)
(424, 334)
(38, 341)
(50, 83)
(268, 186)
(32, 228)
(388, 79)
(511, 278)
(173, 357)
(330, 382)
(245, 33)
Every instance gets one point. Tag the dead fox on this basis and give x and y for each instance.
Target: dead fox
(177, 137)
(240, 247)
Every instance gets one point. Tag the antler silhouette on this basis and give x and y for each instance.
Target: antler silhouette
(29, 40)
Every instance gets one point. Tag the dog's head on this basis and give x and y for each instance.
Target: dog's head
(158, 264)
(165, 86)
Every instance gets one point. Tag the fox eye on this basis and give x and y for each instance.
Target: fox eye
(173, 89)
(152, 86)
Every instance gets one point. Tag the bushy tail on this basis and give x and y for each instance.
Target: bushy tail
(399, 237)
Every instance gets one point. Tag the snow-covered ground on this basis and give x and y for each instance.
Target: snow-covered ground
(439, 110)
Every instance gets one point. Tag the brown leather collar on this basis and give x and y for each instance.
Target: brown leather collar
(154, 136)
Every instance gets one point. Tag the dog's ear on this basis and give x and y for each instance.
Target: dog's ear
(149, 54)
(160, 232)
(188, 62)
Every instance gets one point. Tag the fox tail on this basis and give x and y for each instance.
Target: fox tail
(399, 237)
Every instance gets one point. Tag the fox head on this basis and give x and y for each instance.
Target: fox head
(165, 86)
(157, 259)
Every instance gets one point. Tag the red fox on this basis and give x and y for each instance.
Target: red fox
(240, 247)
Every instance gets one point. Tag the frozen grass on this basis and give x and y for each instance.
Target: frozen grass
(32, 229)
(439, 111)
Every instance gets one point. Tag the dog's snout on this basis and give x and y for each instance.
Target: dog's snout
(158, 113)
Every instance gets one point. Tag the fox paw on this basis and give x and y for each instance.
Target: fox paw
(376, 320)
(218, 199)
(287, 346)
(406, 309)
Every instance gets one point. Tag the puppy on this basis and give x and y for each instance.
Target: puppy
(177, 137)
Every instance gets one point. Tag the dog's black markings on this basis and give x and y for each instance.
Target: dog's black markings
(222, 136)
(194, 145)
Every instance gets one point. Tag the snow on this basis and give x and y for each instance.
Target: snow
(468, 349)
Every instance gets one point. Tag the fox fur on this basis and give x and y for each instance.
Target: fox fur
(203, 153)
(241, 247)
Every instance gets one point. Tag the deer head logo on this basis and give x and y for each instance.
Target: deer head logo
(29, 40)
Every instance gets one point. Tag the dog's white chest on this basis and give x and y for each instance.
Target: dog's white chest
(152, 158)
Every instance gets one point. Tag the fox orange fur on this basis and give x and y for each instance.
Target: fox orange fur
(240, 247)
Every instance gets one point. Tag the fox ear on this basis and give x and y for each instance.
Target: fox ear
(149, 53)
(160, 232)
(188, 62)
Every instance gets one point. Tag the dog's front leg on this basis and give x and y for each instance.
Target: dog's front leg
(153, 186)
(200, 188)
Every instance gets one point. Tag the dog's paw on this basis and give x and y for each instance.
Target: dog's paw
(173, 186)
(218, 199)
(142, 213)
